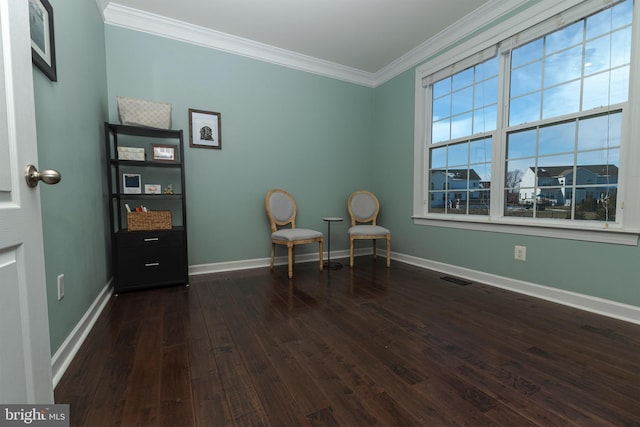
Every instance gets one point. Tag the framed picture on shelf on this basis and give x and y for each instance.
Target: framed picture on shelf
(163, 153)
(131, 183)
(43, 49)
(205, 129)
(152, 189)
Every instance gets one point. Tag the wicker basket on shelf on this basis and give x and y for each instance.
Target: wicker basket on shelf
(154, 220)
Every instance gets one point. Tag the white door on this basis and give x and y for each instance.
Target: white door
(25, 356)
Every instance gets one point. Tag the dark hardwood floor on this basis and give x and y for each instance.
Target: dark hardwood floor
(361, 347)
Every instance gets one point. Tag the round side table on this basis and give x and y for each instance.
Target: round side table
(331, 265)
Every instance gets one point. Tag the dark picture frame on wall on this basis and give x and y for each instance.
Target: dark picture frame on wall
(205, 129)
(43, 47)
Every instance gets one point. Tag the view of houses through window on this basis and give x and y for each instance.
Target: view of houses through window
(560, 134)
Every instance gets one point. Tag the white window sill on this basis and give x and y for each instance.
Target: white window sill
(601, 234)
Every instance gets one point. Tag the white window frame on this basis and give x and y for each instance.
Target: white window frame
(534, 22)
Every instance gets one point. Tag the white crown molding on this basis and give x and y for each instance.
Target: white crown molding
(134, 19)
(475, 21)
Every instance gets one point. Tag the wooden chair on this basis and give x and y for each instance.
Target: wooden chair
(281, 210)
(363, 208)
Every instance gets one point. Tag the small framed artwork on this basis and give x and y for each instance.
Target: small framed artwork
(152, 189)
(163, 153)
(205, 127)
(43, 48)
(131, 183)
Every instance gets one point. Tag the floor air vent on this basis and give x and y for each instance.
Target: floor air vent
(456, 280)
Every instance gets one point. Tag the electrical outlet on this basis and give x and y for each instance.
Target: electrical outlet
(60, 286)
(520, 253)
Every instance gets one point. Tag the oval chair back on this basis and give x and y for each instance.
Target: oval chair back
(364, 207)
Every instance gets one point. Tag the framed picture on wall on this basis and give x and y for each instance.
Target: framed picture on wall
(205, 129)
(43, 48)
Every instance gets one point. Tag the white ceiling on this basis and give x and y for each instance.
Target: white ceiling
(364, 35)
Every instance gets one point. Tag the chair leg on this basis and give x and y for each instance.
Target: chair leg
(351, 253)
(273, 254)
(388, 252)
(290, 255)
(320, 244)
(374, 248)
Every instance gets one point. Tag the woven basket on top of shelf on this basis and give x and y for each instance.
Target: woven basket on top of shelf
(154, 220)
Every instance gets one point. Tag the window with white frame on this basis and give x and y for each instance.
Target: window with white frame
(530, 129)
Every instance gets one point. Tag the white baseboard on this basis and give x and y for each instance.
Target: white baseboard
(67, 351)
(616, 310)
(264, 262)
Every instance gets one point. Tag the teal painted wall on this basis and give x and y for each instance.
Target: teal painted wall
(69, 117)
(281, 128)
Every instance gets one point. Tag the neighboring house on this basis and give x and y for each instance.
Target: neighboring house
(453, 187)
(556, 185)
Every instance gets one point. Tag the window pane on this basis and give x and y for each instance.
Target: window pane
(600, 132)
(527, 53)
(441, 131)
(442, 87)
(461, 126)
(526, 79)
(439, 158)
(463, 79)
(596, 91)
(606, 89)
(486, 69)
(621, 47)
(441, 108)
(438, 180)
(622, 14)
(597, 55)
(480, 151)
(522, 144)
(513, 207)
(525, 109)
(596, 204)
(485, 120)
(479, 202)
(563, 67)
(557, 139)
(555, 164)
(462, 101)
(560, 100)
(562, 39)
(486, 93)
(458, 155)
(599, 24)
(604, 163)
(620, 85)
(437, 202)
